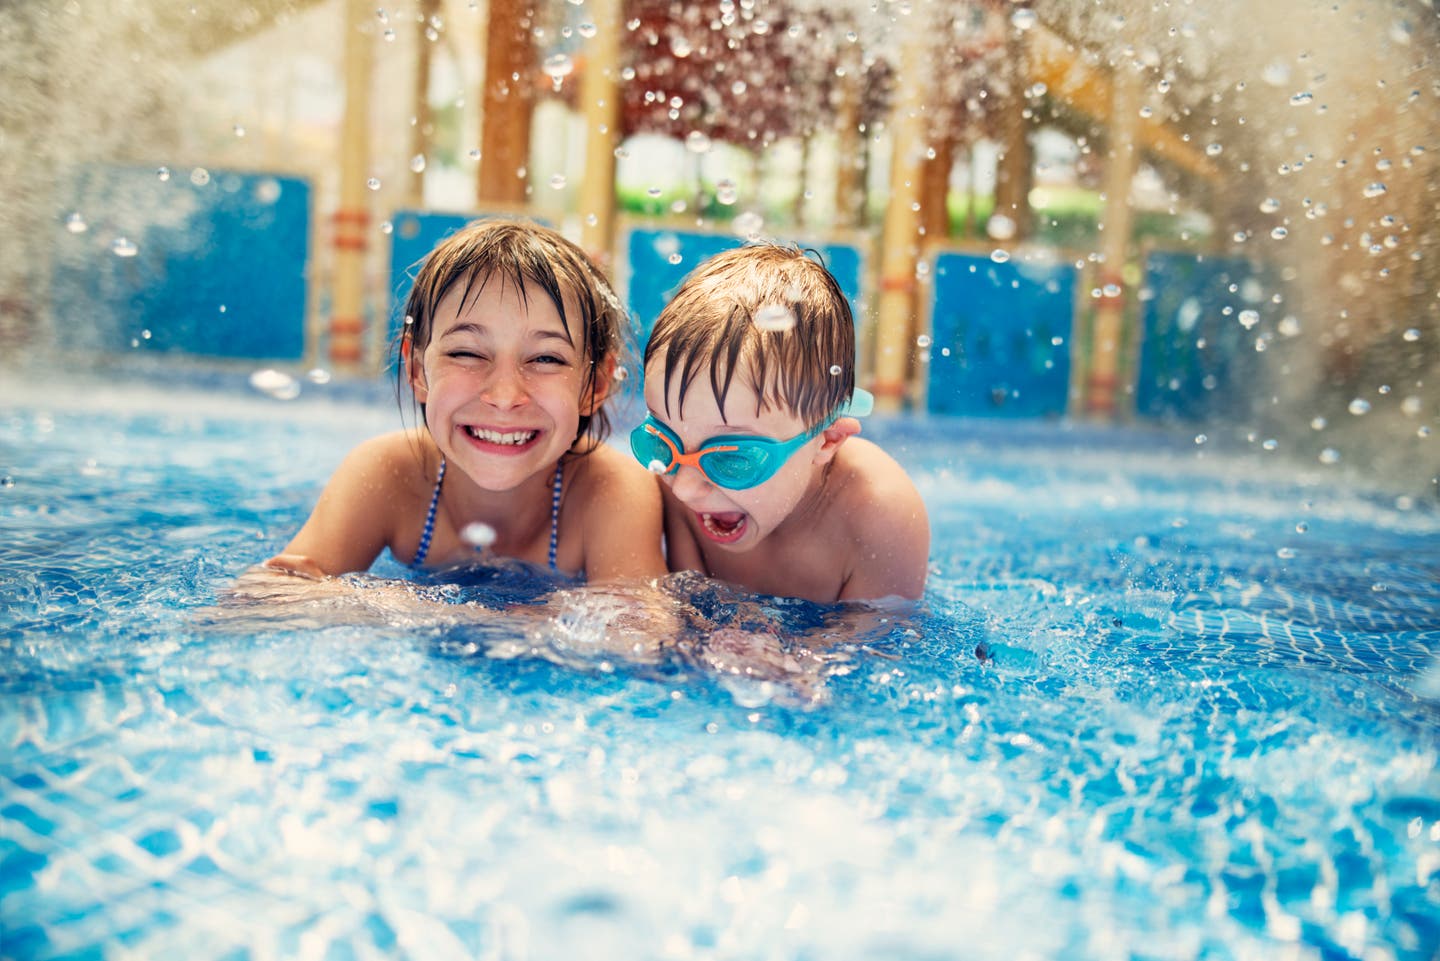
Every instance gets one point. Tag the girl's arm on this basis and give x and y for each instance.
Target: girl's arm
(357, 513)
(621, 521)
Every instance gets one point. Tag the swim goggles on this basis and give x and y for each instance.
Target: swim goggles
(733, 461)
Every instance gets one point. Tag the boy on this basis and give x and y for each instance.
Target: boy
(749, 375)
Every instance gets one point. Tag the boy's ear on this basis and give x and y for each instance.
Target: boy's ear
(833, 436)
(414, 369)
(600, 387)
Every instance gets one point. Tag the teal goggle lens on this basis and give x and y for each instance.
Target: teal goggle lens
(734, 463)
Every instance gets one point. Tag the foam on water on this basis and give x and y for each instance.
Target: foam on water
(1122, 726)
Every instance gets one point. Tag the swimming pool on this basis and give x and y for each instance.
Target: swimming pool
(1164, 701)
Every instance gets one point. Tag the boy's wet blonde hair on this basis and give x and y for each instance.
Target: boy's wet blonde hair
(708, 330)
(520, 253)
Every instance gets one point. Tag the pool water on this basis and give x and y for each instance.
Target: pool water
(1162, 701)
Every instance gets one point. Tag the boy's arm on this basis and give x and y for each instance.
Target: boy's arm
(352, 520)
(622, 522)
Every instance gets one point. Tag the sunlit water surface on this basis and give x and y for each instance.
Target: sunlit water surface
(1162, 702)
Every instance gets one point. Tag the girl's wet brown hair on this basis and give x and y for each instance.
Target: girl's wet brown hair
(523, 253)
(708, 330)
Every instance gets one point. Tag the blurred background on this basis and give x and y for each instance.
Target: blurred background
(1217, 216)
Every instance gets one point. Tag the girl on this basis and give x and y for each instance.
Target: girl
(510, 347)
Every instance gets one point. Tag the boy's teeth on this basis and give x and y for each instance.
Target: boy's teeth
(514, 437)
(716, 526)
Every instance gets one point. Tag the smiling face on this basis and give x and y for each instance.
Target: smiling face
(733, 520)
(501, 380)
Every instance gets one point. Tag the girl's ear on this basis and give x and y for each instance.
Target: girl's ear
(833, 436)
(600, 386)
(414, 368)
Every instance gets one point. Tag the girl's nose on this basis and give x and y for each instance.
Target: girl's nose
(505, 387)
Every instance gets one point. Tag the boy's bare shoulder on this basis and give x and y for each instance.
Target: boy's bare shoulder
(872, 487)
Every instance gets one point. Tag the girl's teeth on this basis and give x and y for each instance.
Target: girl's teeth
(514, 437)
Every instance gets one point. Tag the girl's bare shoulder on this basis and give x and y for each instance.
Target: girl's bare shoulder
(608, 475)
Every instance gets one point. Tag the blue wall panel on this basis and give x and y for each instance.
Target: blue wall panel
(1200, 327)
(659, 259)
(209, 263)
(1001, 336)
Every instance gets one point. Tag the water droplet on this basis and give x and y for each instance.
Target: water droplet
(675, 259)
(1110, 290)
(1374, 189)
(1269, 205)
(275, 383)
(1279, 233)
(680, 46)
(389, 35)
(652, 191)
(836, 370)
(999, 255)
(697, 142)
(621, 373)
(1213, 149)
(473, 153)
(1329, 456)
(1200, 439)
(1411, 334)
(1302, 98)
(558, 67)
(748, 224)
(1249, 318)
(1285, 553)
(1318, 423)
(76, 224)
(726, 192)
(124, 247)
(657, 467)
(163, 173)
(318, 375)
(387, 227)
(1302, 527)
(775, 318)
(417, 163)
(1000, 227)
(923, 341)
(373, 183)
(239, 130)
(1359, 406)
(586, 30)
(1269, 444)
(199, 176)
(557, 181)
(477, 535)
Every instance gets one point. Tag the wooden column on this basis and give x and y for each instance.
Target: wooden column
(600, 103)
(849, 145)
(899, 244)
(509, 101)
(352, 217)
(1102, 381)
(424, 127)
(935, 189)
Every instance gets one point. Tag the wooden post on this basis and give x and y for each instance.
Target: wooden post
(509, 100)
(849, 145)
(1103, 379)
(351, 220)
(899, 243)
(600, 103)
(1015, 174)
(935, 191)
(423, 129)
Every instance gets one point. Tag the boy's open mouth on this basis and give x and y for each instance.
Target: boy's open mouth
(502, 438)
(724, 528)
